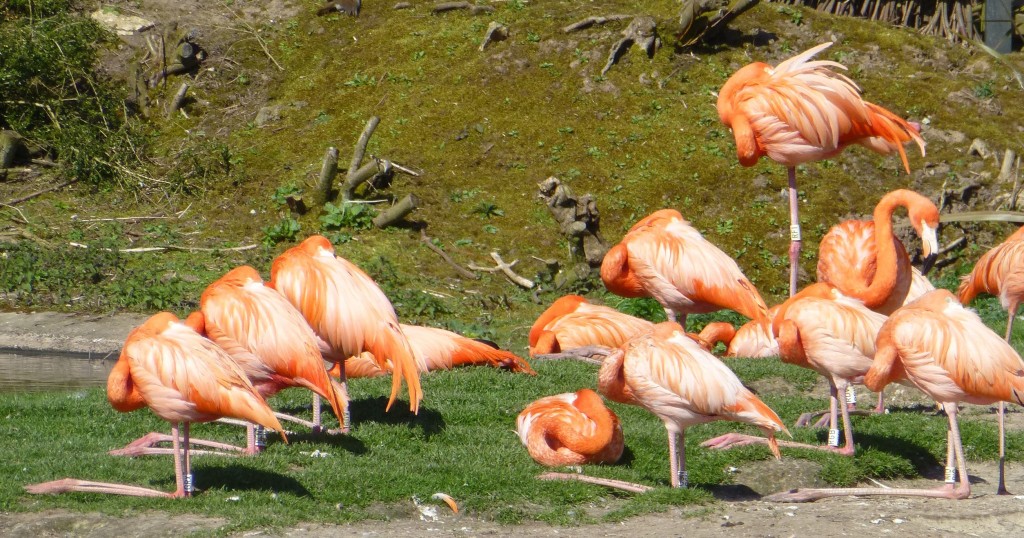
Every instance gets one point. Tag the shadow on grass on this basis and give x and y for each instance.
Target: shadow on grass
(345, 442)
(428, 421)
(241, 478)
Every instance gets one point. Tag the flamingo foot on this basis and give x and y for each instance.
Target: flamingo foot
(71, 484)
(731, 440)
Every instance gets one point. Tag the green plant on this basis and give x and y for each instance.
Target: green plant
(487, 209)
(347, 215)
(284, 192)
(286, 229)
(983, 90)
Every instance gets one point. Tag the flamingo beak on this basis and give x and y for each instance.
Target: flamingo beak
(929, 247)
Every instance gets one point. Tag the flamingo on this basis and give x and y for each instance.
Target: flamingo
(183, 378)
(670, 375)
(440, 349)
(570, 429)
(269, 339)
(573, 322)
(947, 352)
(347, 310)
(999, 272)
(754, 339)
(834, 335)
(855, 253)
(800, 111)
(663, 257)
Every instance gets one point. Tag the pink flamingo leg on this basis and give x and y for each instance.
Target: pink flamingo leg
(147, 446)
(962, 491)
(794, 232)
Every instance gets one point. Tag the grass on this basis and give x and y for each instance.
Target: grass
(462, 443)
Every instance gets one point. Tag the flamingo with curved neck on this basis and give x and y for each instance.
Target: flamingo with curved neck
(865, 259)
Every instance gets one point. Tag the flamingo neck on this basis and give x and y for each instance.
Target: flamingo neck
(883, 285)
(611, 379)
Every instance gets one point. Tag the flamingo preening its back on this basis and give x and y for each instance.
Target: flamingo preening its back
(182, 377)
(573, 322)
(801, 111)
(670, 375)
(865, 259)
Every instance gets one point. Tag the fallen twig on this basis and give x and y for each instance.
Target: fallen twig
(591, 21)
(448, 259)
(170, 247)
(39, 193)
(505, 268)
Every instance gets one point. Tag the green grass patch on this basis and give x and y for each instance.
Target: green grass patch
(462, 443)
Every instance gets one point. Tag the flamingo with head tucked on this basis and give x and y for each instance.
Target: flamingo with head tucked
(801, 111)
(182, 377)
(570, 429)
(663, 257)
(347, 310)
(947, 352)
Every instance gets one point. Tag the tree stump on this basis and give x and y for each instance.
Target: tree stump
(578, 220)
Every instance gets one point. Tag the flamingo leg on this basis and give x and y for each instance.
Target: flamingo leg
(1011, 312)
(954, 450)
(847, 449)
(187, 459)
(179, 472)
(146, 446)
(794, 232)
(677, 464)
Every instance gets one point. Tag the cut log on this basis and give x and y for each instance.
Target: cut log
(396, 212)
(328, 171)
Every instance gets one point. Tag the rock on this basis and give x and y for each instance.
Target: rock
(120, 23)
(268, 115)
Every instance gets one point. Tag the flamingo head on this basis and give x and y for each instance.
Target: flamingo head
(924, 218)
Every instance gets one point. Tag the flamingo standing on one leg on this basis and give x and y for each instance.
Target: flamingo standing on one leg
(347, 310)
(570, 429)
(269, 339)
(663, 257)
(946, 351)
(800, 111)
(834, 335)
(670, 375)
(182, 377)
(439, 349)
(855, 253)
(999, 272)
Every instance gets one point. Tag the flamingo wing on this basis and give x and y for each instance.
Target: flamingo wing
(952, 355)
(184, 377)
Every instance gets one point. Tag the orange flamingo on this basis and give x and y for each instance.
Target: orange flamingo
(800, 111)
(947, 352)
(182, 377)
(856, 253)
(663, 257)
(570, 429)
(269, 339)
(754, 339)
(834, 335)
(573, 322)
(999, 272)
(347, 311)
(439, 349)
(670, 375)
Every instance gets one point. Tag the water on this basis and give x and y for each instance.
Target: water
(25, 371)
